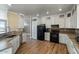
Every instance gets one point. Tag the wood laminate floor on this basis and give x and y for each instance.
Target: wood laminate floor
(41, 47)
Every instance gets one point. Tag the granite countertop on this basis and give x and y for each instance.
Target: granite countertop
(60, 29)
(9, 34)
(73, 39)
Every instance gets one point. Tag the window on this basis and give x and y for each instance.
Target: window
(2, 26)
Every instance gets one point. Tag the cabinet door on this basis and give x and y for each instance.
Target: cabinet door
(63, 38)
(67, 23)
(24, 37)
(12, 42)
(20, 22)
(71, 47)
(3, 44)
(15, 43)
(6, 51)
(68, 19)
(61, 22)
(47, 36)
(52, 20)
(74, 20)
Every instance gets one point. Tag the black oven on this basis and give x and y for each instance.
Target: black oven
(54, 34)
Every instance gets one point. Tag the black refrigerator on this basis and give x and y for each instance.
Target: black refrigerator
(40, 31)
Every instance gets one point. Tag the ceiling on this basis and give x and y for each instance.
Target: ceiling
(41, 9)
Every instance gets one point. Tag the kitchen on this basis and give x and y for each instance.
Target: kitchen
(59, 23)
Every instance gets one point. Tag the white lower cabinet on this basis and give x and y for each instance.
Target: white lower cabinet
(15, 43)
(9, 45)
(63, 38)
(71, 48)
(6, 51)
(3, 44)
(5, 47)
(24, 37)
(47, 36)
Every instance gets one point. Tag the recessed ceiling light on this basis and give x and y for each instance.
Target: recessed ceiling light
(9, 4)
(21, 14)
(37, 15)
(60, 9)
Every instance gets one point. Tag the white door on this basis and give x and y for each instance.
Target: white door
(34, 29)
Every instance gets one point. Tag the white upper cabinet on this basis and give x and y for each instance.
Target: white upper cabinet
(60, 20)
(3, 11)
(21, 21)
(68, 20)
(56, 19)
(53, 19)
(48, 21)
(74, 20)
(71, 19)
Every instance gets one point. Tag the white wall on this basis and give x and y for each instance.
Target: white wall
(3, 11)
